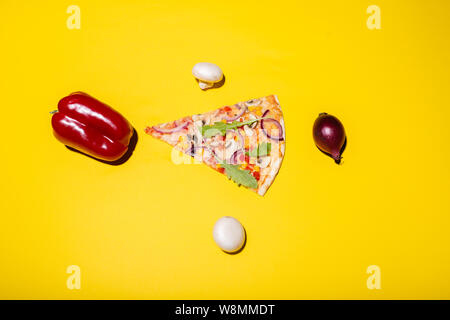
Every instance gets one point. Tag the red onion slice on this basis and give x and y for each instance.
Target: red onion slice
(238, 115)
(241, 138)
(254, 124)
(173, 130)
(265, 113)
(277, 124)
(235, 157)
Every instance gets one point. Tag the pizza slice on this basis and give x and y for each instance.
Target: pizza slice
(245, 141)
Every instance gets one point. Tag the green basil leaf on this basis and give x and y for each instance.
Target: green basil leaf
(239, 176)
(222, 127)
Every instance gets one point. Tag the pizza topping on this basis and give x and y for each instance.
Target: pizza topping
(215, 143)
(239, 176)
(232, 147)
(237, 157)
(253, 103)
(234, 172)
(241, 138)
(208, 156)
(192, 150)
(219, 154)
(233, 142)
(222, 127)
(260, 151)
(234, 114)
(192, 137)
(171, 130)
(257, 175)
(254, 124)
(263, 162)
(274, 113)
(272, 129)
(248, 131)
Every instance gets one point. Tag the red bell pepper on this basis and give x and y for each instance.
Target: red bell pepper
(92, 127)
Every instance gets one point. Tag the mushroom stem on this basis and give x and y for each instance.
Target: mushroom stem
(205, 85)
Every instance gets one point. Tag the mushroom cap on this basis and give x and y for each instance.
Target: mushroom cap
(208, 72)
(229, 234)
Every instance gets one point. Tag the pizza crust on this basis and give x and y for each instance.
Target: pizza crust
(276, 163)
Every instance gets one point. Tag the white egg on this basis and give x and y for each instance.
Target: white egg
(207, 74)
(229, 234)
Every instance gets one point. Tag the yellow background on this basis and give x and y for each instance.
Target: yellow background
(144, 229)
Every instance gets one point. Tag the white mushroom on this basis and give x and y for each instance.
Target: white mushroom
(253, 103)
(229, 234)
(207, 74)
